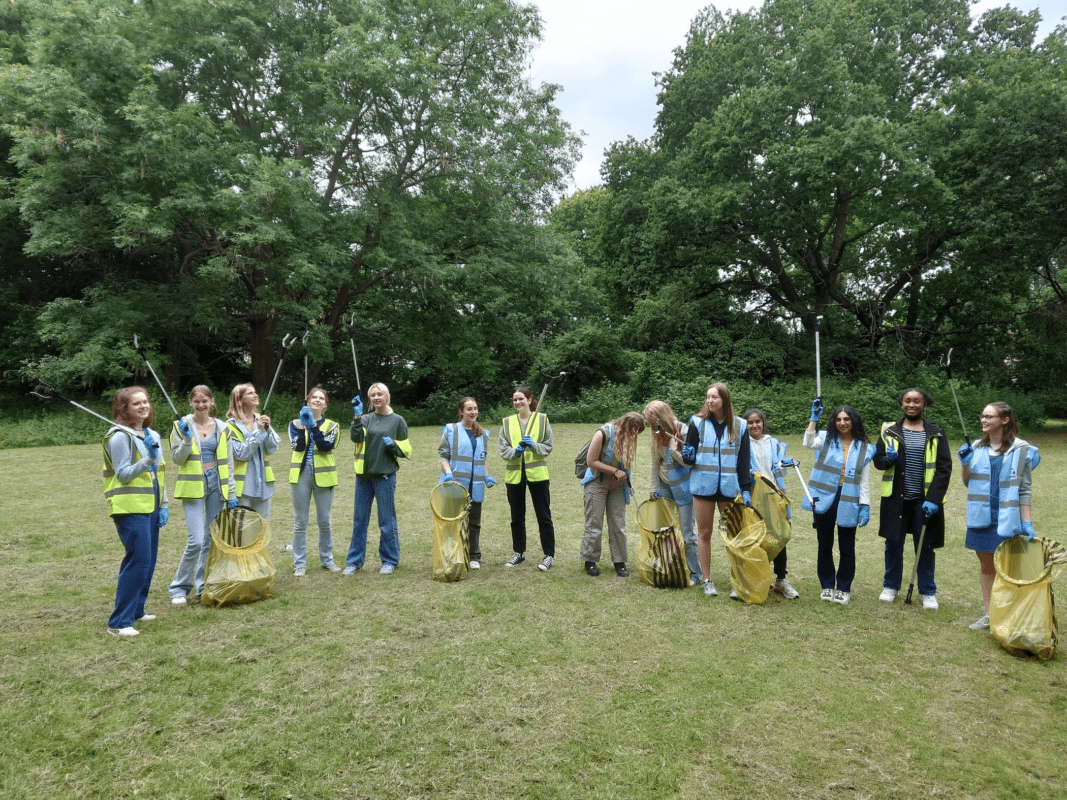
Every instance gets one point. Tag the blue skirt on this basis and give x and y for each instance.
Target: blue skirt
(983, 540)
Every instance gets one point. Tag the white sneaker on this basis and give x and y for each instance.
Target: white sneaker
(842, 598)
(475, 564)
(733, 595)
(888, 595)
(145, 618)
(299, 572)
(546, 564)
(785, 589)
(387, 569)
(289, 547)
(929, 601)
(827, 594)
(179, 600)
(980, 624)
(123, 631)
(709, 588)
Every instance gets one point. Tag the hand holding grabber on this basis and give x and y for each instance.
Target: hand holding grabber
(792, 462)
(287, 342)
(139, 349)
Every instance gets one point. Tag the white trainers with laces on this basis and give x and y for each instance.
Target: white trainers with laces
(827, 594)
(128, 631)
(475, 564)
(888, 595)
(929, 601)
(980, 624)
(842, 598)
(179, 600)
(709, 588)
(785, 589)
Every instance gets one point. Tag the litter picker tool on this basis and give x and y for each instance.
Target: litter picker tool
(541, 399)
(915, 569)
(304, 342)
(350, 323)
(676, 437)
(792, 462)
(139, 349)
(79, 406)
(818, 361)
(287, 342)
(947, 364)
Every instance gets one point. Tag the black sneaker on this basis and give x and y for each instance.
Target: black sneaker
(592, 568)
(515, 560)
(620, 570)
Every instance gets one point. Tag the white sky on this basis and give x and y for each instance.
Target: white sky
(603, 53)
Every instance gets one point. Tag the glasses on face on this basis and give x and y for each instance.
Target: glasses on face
(990, 416)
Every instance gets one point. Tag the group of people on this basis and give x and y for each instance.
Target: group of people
(702, 465)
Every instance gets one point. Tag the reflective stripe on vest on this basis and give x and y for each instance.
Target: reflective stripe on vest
(715, 470)
(1009, 520)
(323, 463)
(462, 457)
(826, 476)
(190, 483)
(136, 497)
(536, 466)
(929, 468)
(241, 467)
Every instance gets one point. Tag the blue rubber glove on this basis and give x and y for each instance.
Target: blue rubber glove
(184, 429)
(1028, 529)
(357, 405)
(387, 441)
(789, 463)
(164, 517)
(891, 453)
(689, 453)
(865, 515)
(656, 495)
(231, 503)
(490, 481)
(816, 409)
(930, 508)
(445, 477)
(788, 513)
(151, 445)
(746, 497)
(966, 454)
(520, 449)
(1035, 460)
(307, 419)
(528, 441)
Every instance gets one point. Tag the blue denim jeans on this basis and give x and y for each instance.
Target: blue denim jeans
(199, 512)
(139, 534)
(368, 490)
(687, 517)
(301, 492)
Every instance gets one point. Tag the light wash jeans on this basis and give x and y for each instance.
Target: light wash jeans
(301, 493)
(687, 517)
(199, 512)
(382, 489)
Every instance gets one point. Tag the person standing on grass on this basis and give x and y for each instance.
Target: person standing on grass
(136, 496)
(670, 476)
(606, 489)
(463, 450)
(717, 448)
(997, 472)
(524, 443)
(381, 439)
(840, 485)
(916, 466)
(312, 473)
(252, 440)
(767, 456)
(199, 446)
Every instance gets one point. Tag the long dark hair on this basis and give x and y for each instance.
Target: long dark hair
(529, 396)
(859, 432)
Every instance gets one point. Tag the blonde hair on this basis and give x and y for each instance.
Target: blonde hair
(236, 409)
(660, 415)
(627, 428)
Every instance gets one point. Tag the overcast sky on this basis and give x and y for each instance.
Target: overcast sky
(603, 53)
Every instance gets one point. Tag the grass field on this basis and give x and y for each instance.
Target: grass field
(512, 683)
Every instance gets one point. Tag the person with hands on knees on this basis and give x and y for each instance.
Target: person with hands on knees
(136, 495)
(717, 448)
(252, 440)
(606, 489)
(670, 476)
(997, 472)
(313, 473)
(463, 450)
(199, 445)
(916, 464)
(524, 443)
(840, 486)
(768, 458)
(381, 439)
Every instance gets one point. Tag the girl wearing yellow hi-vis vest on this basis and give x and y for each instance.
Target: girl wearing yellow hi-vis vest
(198, 446)
(524, 443)
(252, 439)
(312, 471)
(137, 501)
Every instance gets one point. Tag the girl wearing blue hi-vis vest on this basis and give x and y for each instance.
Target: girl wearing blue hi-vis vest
(996, 472)
(464, 446)
(840, 486)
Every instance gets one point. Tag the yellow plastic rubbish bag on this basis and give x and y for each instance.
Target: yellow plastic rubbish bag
(239, 568)
(773, 505)
(660, 557)
(451, 546)
(1022, 612)
(743, 530)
